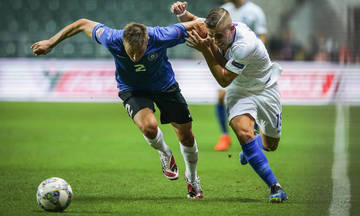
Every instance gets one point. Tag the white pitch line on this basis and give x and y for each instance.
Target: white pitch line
(341, 194)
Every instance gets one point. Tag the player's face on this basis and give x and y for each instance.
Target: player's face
(135, 53)
(223, 36)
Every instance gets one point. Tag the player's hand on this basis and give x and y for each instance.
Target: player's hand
(41, 48)
(199, 43)
(178, 7)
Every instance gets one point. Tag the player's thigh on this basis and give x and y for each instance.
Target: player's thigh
(239, 103)
(269, 115)
(242, 113)
(184, 133)
(146, 121)
(141, 109)
(173, 107)
(243, 126)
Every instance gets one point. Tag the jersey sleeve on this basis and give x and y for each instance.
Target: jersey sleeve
(235, 66)
(260, 23)
(171, 35)
(106, 36)
(238, 61)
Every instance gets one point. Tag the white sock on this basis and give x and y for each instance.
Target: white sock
(158, 143)
(190, 155)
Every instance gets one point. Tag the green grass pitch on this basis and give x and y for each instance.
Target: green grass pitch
(113, 171)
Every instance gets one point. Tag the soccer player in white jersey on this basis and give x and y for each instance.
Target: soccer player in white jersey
(253, 16)
(249, 13)
(239, 61)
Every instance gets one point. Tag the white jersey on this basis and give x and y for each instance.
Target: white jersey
(248, 57)
(250, 14)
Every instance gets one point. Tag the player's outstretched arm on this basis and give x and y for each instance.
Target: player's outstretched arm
(45, 46)
(197, 25)
(179, 9)
(206, 46)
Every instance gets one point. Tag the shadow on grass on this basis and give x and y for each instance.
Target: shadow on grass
(72, 212)
(94, 198)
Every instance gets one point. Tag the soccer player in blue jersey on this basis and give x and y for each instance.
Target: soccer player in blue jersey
(144, 76)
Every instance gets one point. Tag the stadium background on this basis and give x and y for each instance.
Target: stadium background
(314, 25)
(317, 43)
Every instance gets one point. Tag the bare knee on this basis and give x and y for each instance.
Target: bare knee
(149, 129)
(244, 136)
(147, 123)
(243, 126)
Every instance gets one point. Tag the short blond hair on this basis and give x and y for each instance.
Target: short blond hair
(135, 34)
(216, 16)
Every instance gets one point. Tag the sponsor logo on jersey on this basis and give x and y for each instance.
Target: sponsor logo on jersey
(237, 64)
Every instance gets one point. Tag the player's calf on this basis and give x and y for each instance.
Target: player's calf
(272, 147)
(270, 143)
(184, 133)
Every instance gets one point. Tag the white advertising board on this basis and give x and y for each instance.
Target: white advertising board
(301, 83)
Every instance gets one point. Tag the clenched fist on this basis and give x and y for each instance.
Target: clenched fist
(178, 7)
(41, 48)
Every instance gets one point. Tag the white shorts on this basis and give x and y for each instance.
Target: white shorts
(264, 106)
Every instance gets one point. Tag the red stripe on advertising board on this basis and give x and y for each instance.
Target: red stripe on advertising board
(86, 83)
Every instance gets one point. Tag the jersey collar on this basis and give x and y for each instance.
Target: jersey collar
(234, 35)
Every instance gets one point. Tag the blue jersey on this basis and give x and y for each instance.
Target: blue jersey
(153, 72)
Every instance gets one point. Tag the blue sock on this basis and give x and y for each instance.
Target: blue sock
(258, 161)
(221, 116)
(260, 144)
(256, 128)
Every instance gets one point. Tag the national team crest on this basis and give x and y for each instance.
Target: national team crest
(152, 56)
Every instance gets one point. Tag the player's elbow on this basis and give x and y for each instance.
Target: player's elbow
(224, 83)
(227, 77)
(226, 80)
(222, 77)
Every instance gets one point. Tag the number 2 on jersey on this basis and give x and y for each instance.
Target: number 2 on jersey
(140, 68)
